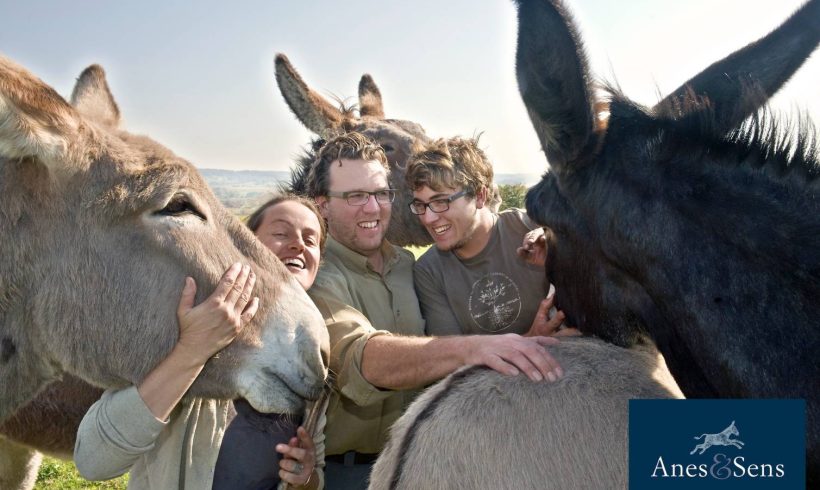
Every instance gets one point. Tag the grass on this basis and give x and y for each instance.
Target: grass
(417, 251)
(55, 474)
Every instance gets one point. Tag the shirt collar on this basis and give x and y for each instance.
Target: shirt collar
(358, 262)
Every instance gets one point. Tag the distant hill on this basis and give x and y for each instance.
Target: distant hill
(216, 176)
(241, 191)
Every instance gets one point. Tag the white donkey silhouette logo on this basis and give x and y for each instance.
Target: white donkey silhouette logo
(722, 438)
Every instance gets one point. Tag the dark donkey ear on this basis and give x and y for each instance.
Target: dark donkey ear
(92, 97)
(554, 80)
(370, 99)
(738, 85)
(316, 113)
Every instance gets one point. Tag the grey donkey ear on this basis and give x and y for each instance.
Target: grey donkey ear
(34, 120)
(370, 99)
(316, 113)
(92, 98)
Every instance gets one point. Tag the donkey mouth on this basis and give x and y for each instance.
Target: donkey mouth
(270, 392)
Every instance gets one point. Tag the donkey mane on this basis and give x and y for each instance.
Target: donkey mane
(437, 395)
(767, 149)
(779, 144)
(766, 139)
(769, 142)
(297, 184)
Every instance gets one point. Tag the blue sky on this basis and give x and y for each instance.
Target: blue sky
(198, 76)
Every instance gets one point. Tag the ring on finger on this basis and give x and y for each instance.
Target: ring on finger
(297, 468)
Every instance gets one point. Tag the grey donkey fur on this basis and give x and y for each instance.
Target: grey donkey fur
(98, 229)
(480, 429)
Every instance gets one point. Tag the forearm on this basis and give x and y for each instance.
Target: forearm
(116, 431)
(401, 363)
(168, 382)
(204, 330)
(123, 425)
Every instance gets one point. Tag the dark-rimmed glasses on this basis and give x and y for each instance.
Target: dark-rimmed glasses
(360, 198)
(436, 205)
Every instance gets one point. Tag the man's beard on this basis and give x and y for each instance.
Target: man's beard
(463, 242)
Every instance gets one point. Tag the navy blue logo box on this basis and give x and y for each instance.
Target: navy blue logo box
(722, 444)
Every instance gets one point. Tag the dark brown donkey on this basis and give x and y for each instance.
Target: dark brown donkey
(695, 222)
(398, 137)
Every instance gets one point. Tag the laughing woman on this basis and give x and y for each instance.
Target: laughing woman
(292, 228)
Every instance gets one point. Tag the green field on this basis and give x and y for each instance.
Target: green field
(417, 251)
(62, 475)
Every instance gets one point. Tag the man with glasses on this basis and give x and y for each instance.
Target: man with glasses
(365, 291)
(474, 280)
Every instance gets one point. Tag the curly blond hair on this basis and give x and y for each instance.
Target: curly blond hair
(450, 163)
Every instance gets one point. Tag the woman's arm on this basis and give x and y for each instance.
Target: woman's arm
(203, 331)
(124, 424)
(114, 433)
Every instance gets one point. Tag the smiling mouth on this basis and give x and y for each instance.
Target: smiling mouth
(440, 230)
(294, 263)
(368, 225)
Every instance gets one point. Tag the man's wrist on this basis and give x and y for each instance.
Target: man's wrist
(465, 346)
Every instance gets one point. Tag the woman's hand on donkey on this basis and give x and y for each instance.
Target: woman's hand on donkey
(203, 331)
(207, 328)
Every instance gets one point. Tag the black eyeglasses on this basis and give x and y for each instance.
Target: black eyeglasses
(436, 205)
(360, 198)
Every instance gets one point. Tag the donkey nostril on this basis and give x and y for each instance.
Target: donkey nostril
(8, 349)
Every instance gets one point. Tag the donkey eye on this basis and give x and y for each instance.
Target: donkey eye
(179, 205)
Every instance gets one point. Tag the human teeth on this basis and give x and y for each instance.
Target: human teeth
(441, 229)
(368, 224)
(295, 262)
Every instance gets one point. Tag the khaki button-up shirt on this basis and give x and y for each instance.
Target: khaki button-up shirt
(359, 303)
